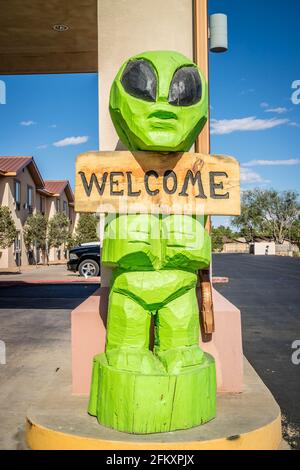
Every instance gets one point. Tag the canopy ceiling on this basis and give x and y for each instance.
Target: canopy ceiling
(30, 44)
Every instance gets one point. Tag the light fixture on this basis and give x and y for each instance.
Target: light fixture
(218, 33)
(60, 27)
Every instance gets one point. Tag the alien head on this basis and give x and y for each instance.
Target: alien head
(159, 101)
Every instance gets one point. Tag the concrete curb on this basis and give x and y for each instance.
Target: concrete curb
(92, 280)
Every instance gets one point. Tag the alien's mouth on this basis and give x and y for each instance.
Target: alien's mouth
(162, 124)
(163, 119)
(163, 114)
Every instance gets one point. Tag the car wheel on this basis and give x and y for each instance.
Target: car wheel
(88, 268)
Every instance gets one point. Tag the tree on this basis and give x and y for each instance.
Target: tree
(35, 233)
(250, 220)
(58, 230)
(71, 241)
(86, 230)
(295, 233)
(8, 231)
(220, 235)
(268, 214)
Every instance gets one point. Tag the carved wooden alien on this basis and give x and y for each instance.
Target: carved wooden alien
(159, 103)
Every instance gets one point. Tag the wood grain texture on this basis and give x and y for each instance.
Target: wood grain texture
(216, 190)
(146, 404)
(200, 18)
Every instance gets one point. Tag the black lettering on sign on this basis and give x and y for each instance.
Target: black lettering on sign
(114, 183)
(146, 182)
(88, 187)
(213, 185)
(169, 174)
(190, 177)
(129, 183)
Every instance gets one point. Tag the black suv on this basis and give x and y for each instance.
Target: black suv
(85, 258)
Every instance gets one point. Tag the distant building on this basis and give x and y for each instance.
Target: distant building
(286, 248)
(260, 247)
(24, 192)
(263, 248)
(239, 245)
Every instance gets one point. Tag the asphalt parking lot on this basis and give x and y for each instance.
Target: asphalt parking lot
(35, 326)
(267, 291)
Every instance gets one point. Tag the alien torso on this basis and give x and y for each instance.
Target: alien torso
(151, 242)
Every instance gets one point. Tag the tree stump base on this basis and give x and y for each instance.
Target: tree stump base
(145, 404)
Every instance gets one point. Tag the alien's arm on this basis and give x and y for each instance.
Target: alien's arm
(131, 242)
(187, 245)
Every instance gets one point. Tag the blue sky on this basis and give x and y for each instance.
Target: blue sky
(52, 117)
(253, 80)
(55, 117)
(251, 88)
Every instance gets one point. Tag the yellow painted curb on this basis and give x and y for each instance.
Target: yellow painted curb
(268, 437)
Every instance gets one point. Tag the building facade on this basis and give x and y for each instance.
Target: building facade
(24, 192)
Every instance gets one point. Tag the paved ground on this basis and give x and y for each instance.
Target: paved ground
(41, 273)
(267, 290)
(35, 319)
(35, 326)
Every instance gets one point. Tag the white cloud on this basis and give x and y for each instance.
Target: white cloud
(227, 126)
(27, 123)
(277, 110)
(294, 124)
(246, 92)
(71, 141)
(290, 162)
(44, 146)
(264, 105)
(53, 126)
(250, 176)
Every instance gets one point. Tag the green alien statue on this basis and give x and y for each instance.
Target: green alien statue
(158, 102)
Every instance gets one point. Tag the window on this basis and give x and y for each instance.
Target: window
(29, 198)
(42, 205)
(17, 242)
(17, 194)
(65, 207)
(57, 205)
(17, 248)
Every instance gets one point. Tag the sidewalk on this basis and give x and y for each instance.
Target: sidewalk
(40, 274)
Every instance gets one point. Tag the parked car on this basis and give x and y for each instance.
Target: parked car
(85, 259)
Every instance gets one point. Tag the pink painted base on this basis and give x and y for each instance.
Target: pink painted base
(88, 339)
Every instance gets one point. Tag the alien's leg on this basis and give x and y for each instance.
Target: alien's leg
(127, 341)
(177, 333)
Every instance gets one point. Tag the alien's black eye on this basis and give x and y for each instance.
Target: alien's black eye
(139, 80)
(186, 88)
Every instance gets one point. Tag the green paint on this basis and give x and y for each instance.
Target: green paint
(155, 259)
(142, 404)
(133, 117)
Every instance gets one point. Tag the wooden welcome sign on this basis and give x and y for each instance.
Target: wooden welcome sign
(152, 182)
